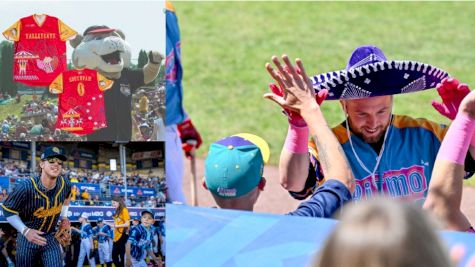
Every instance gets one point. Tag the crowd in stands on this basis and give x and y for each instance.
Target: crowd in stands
(36, 122)
(148, 115)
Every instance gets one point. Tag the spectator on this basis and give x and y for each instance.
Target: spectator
(74, 192)
(3, 195)
(85, 194)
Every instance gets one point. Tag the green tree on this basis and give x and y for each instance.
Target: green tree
(6, 74)
(143, 59)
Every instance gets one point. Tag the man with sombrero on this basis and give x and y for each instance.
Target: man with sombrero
(389, 154)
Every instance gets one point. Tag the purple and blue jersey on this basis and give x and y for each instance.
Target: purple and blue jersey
(405, 167)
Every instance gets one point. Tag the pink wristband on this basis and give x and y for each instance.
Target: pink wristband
(297, 139)
(457, 139)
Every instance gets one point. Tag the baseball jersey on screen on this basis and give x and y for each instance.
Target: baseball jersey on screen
(40, 48)
(38, 207)
(81, 100)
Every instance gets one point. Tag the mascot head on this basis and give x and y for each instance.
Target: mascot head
(102, 49)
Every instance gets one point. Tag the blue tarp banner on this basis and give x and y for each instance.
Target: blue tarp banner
(94, 213)
(217, 238)
(137, 191)
(4, 182)
(93, 189)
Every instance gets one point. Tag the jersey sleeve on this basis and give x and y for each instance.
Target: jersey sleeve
(56, 87)
(15, 201)
(13, 32)
(103, 82)
(65, 32)
(134, 236)
(327, 199)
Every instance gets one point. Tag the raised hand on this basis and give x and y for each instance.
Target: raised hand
(295, 92)
(452, 92)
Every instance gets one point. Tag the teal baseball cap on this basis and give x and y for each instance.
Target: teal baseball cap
(235, 164)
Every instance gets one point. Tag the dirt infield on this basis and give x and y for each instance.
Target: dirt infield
(276, 200)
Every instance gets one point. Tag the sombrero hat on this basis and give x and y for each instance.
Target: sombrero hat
(369, 73)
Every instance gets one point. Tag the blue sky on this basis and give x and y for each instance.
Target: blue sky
(143, 22)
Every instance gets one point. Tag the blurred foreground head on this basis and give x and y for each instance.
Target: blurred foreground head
(383, 233)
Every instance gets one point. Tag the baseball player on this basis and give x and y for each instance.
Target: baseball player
(104, 235)
(34, 208)
(87, 243)
(139, 243)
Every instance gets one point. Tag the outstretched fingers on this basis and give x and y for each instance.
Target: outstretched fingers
(285, 75)
(303, 73)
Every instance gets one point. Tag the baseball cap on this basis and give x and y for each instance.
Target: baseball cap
(235, 164)
(52, 152)
(100, 219)
(84, 215)
(149, 211)
(97, 29)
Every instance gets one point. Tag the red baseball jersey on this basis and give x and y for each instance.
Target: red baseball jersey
(40, 49)
(81, 102)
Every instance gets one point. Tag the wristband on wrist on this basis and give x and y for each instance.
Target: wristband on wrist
(64, 211)
(26, 231)
(297, 139)
(457, 139)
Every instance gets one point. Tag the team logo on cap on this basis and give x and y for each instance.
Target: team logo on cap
(227, 192)
(56, 150)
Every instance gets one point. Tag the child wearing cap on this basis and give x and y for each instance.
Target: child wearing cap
(104, 235)
(233, 175)
(233, 171)
(87, 243)
(139, 244)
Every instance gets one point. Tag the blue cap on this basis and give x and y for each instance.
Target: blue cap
(149, 211)
(100, 219)
(53, 152)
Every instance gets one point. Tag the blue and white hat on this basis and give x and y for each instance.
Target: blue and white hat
(369, 73)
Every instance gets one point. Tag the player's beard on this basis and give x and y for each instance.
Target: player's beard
(371, 137)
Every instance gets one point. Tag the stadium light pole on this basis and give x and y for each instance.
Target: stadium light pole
(33, 158)
(123, 167)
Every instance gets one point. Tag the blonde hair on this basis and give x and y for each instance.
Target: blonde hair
(384, 233)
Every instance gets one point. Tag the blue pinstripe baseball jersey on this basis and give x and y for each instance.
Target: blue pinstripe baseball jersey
(406, 164)
(38, 207)
(86, 231)
(140, 239)
(106, 229)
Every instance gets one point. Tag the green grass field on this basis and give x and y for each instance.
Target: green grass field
(225, 46)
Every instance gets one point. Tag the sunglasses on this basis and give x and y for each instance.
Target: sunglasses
(55, 160)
